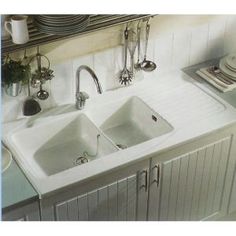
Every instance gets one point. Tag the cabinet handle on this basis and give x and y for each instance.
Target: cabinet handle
(145, 185)
(157, 180)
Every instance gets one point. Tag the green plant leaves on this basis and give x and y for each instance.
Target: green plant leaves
(14, 72)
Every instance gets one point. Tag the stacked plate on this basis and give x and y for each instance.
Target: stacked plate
(227, 66)
(61, 24)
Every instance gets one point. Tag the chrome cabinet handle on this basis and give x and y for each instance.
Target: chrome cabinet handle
(145, 185)
(157, 180)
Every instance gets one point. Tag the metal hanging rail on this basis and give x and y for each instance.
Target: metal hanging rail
(97, 22)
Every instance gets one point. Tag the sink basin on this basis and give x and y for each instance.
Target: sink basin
(62, 144)
(51, 149)
(133, 123)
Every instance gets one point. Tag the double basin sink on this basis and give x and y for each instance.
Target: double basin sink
(64, 142)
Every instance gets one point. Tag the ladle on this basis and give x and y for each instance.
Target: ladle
(147, 65)
(41, 94)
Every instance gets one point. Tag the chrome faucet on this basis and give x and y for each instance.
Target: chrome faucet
(81, 97)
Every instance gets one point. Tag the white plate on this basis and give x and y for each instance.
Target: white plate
(226, 70)
(229, 67)
(6, 159)
(231, 61)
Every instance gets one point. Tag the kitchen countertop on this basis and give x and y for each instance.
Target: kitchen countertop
(181, 100)
(16, 189)
(230, 96)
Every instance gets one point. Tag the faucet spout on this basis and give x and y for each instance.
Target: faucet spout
(82, 96)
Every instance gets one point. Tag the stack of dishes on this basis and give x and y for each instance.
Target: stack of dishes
(61, 24)
(222, 77)
(227, 66)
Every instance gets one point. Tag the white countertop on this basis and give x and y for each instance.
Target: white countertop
(190, 108)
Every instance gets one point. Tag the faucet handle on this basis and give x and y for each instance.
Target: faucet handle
(81, 98)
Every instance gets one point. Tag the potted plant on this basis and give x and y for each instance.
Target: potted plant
(14, 74)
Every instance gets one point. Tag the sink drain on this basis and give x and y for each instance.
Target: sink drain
(80, 161)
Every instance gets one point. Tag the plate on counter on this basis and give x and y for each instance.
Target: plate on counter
(6, 159)
(225, 70)
(230, 62)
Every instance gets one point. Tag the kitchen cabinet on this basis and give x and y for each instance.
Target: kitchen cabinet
(195, 180)
(120, 196)
(26, 212)
(232, 204)
(116, 201)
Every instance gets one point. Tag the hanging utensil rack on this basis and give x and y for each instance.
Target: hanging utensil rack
(97, 22)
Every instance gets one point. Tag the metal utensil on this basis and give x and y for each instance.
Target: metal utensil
(132, 44)
(41, 94)
(147, 65)
(137, 65)
(25, 60)
(219, 75)
(30, 105)
(125, 75)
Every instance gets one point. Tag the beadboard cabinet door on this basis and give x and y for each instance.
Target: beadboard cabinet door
(124, 199)
(116, 201)
(232, 204)
(28, 212)
(191, 184)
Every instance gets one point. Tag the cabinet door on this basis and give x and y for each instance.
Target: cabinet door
(29, 212)
(142, 197)
(122, 200)
(232, 205)
(191, 185)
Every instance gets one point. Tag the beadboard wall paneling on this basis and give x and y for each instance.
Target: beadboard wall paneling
(175, 42)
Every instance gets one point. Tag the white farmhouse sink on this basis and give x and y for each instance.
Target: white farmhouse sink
(51, 149)
(133, 117)
(62, 144)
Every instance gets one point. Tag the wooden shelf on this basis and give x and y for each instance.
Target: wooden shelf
(97, 22)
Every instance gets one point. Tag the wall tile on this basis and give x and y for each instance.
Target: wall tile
(107, 65)
(198, 46)
(163, 52)
(181, 49)
(62, 84)
(217, 29)
(230, 25)
(150, 50)
(230, 35)
(215, 48)
(215, 45)
(230, 44)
